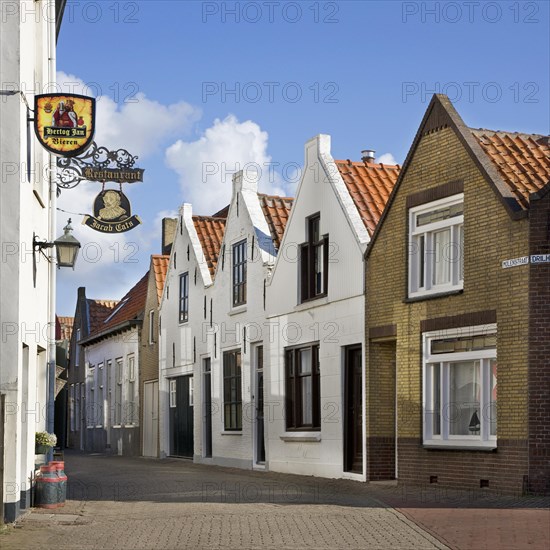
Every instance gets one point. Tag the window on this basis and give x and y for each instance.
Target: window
(78, 420)
(118, 393)
(184, 297)
(436, 247)
(191, 392)
(239, 273)
(99, 405)
(460, 387)
(232, 397)
(77, 349)
(303, 392)
(90, 407)
(172, 394)
(152, 327)
(131, 413)
(314, 261)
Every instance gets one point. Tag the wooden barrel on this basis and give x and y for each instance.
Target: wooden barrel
(47, 487)
(62, 486)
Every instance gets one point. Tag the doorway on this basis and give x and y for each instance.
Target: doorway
(207, 411)
(353, 411)
(259, 436)
(150, 418)
(181, 416)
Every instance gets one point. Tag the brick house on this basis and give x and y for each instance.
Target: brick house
(149, 356)
(457, 279)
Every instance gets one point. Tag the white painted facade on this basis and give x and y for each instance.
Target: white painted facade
(25, 45)
(112, 393)
(334, 321)
(177, 340)
(219, 328)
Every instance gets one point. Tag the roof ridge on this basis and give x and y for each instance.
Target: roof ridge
(508, 132)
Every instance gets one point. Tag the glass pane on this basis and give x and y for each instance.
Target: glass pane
(493, 397)
(461, 244)
(318, 266)
(306, 397)
(314, 230)
(441, 257)
(436, 399)
(421, 261)
(440, 214)
(305, 361)
(464, 413)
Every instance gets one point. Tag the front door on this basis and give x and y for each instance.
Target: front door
(260, 434)
(207, 413)
(150, 418)
(181, 416)
(353, 410)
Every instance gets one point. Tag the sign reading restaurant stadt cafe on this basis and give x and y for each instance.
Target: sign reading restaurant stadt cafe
(64, 125)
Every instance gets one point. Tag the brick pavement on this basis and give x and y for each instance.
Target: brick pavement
(125, 503)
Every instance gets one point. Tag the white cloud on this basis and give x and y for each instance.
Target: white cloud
(205, 166)
(386, 158)
(139, 125)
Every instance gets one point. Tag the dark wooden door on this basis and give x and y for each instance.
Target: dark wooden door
(353, 407)
(207, 408)
(181, 420)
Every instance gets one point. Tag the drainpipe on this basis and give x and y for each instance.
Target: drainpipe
(51, 372)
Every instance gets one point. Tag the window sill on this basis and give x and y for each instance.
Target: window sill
(434, 296)
(236, 432)
(312, 437)
(458, 447)
(237, 309)
(320, 300)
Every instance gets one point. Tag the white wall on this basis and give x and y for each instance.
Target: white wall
(335, 321)
(23, 210)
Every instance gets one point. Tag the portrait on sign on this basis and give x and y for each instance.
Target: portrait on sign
(64, 124)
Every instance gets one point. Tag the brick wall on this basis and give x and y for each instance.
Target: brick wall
(490, 237)
(381, 412)
(148, 353)
(539, 349)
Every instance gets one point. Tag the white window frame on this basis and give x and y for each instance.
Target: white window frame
(131, 412)
(90, 405)
(119, 394)
(191, 392)
(484, 356)
(456, 225)
(100, 397)
(172, 394)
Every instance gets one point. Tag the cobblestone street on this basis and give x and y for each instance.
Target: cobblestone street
(117, 502)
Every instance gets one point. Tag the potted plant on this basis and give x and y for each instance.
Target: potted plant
(43, 442)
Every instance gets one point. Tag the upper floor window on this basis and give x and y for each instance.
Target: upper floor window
(239, 273)
(436, 247)
(184, 297)
(152, 326)
(314, 261)
(460, 387)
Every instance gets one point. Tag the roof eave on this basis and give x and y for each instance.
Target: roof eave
(107, 333)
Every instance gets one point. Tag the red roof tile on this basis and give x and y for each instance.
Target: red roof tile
(160, 268)
(129, 308)
(98, 311)
(66, 327)
(369, 185)
(210, 231)
(276, 211)
(522, 160)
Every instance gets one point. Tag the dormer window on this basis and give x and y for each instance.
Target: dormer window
(239, 273)
(313, 261)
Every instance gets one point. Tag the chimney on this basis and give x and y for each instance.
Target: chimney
(169, 226)
(367, 155)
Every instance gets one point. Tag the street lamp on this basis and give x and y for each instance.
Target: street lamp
(66, 247)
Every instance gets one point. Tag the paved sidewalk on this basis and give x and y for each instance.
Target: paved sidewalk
(141, 503)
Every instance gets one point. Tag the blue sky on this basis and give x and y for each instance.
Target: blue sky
(360, 71)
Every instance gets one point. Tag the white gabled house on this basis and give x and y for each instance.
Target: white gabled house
(214, 329)
(314, 382)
